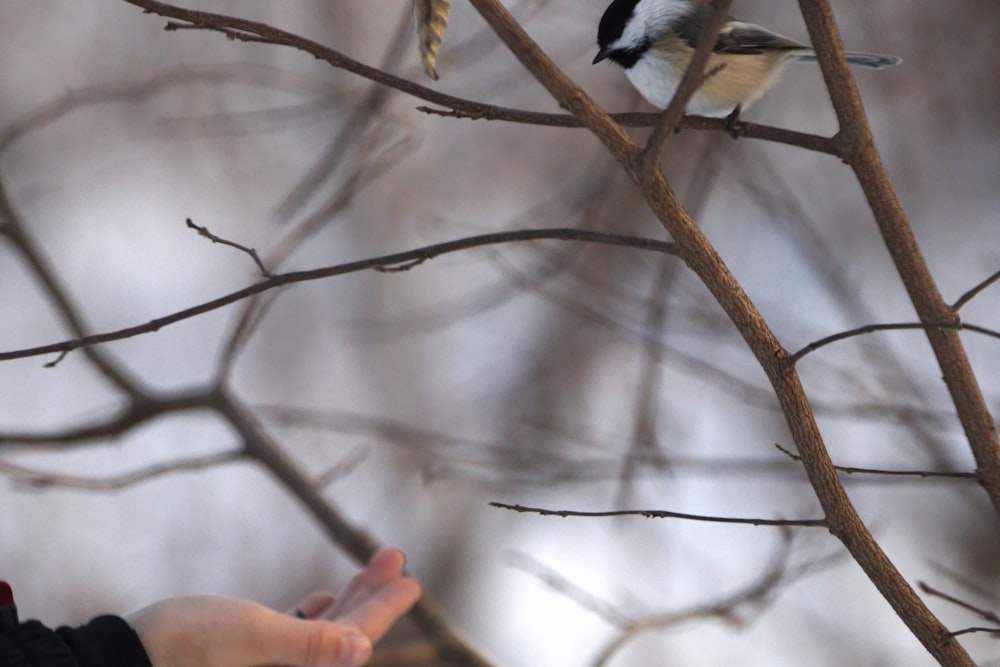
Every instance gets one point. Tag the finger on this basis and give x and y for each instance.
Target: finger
(313, 605)
(376, 614)
(384, 567)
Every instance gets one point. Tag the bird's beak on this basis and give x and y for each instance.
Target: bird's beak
(601, 55)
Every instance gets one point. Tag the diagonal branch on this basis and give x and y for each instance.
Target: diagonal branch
(693, 79)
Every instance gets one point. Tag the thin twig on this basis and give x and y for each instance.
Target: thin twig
(203, 231)
(974, 292)
(867, 329)
(985, 614)
(663, 514)
(894, 473)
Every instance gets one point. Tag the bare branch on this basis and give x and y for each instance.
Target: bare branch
(895, 326)
(663, 514)
(203, 231)
(133, 414)
(39, 480)
(813, 142)
(282, 279)
(974, 292)
(894, 473)
(985, 614)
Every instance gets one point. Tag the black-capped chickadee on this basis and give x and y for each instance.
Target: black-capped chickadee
(655, 39)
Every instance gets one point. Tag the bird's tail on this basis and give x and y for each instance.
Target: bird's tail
(872, 60)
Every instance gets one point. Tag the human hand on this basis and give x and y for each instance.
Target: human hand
(209, 631)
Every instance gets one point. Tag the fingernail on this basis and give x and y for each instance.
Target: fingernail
(356, 651)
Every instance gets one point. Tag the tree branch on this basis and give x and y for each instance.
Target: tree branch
(663, 514)
(382, 263)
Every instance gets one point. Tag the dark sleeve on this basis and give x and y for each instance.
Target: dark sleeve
(107, 641)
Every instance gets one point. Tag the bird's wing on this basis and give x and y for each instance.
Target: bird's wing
(748, 38)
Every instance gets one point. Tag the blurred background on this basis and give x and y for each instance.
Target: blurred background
(549, 374)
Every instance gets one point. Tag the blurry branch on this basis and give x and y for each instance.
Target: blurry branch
(659, 312)
(144, 405)
(985, 614)
(966, 394)
(797, 222)
(895, 473)
(380, 263)
(261, 447)
(759, 592)
(663, 514)
(17, 232)
(703, 260)
(895, 326)
(444, 454)
(143, 408)
(365, 168)
(568, 589)
(140, 91)
(39, 479)
(362, 116)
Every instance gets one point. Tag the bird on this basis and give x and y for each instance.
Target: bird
(654, 40)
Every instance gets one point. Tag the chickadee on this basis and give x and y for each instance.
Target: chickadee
(655, 39)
